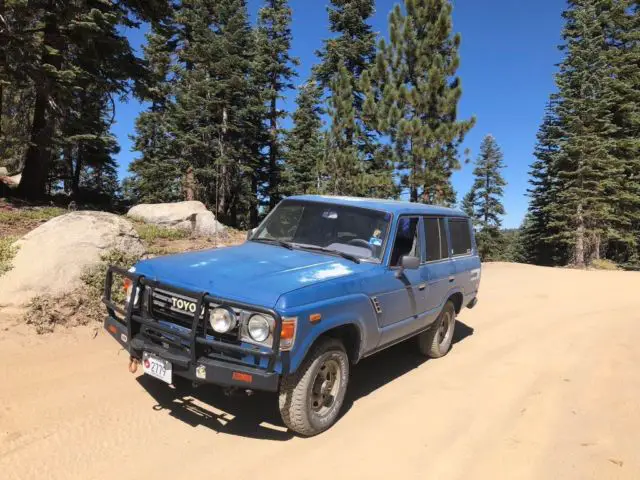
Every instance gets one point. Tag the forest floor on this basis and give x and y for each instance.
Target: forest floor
(542, 382)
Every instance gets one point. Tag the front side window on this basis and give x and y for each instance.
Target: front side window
(407, 240)
(355, 231)
(460, 236)
(436, 238)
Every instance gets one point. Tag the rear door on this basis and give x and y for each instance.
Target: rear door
(466, 262)
(440, 273)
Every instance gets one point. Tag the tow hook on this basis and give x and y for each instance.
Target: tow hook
(133, 364)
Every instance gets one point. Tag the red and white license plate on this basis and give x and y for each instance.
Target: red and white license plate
(157, 367)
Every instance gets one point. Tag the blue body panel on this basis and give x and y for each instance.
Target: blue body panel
(298, 283)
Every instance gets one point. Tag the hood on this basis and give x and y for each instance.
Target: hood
(253, 273)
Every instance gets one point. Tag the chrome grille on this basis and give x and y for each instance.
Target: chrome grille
(162, 307)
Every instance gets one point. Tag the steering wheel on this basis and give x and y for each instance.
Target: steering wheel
(359, 242)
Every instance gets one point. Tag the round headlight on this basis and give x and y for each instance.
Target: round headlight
(258, 328)
(222, 320)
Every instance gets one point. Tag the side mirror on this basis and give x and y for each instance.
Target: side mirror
(407, 262)
(250, 233)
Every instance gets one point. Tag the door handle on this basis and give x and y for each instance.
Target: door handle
(451, 279)
(422, 286)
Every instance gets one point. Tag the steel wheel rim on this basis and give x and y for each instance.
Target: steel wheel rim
(444, 330)
(326, 386)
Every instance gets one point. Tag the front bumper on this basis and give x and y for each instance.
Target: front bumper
(138, 332)
(204, 370)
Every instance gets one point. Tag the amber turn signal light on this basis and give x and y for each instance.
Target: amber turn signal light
(288, 333)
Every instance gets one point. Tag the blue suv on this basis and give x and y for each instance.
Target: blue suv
(322, 283)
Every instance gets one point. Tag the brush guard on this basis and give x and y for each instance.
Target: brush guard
(137, 331)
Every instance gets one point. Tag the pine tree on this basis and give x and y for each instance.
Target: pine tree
(216, 122)
(468, 204)
(304, 146)
(414, 95)
(487, 192)
(539, 231)
(353, 144)
(80, 45)
(623, 54)
(354, 47)
(344, 164)
(274, 71)
(588, 174)
(159, 173)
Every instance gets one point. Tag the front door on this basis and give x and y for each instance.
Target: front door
(400, 297)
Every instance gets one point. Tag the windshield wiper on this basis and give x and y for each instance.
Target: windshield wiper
(348, 256)
(274, 241)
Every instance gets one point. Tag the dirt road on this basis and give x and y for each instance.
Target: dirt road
(543, 382)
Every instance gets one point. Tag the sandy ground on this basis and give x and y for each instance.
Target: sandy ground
(543, 382)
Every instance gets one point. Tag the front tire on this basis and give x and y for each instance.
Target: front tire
(311, 398)
(436, 342)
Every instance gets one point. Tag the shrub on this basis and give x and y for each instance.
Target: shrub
(604, 264)
(150, 233)
(83, 305)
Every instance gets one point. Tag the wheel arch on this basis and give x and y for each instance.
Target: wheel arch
(457, 299)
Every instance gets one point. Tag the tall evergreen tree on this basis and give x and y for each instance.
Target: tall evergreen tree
(274, 67)
(414, 96)
(623, 54)
(487, 192)
(588, 172)
(304, 145)
(353, 143)
(539, 231)
(159, 173)
(216, 121)
(80, 42)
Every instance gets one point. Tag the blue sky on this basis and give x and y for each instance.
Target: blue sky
(508, 57)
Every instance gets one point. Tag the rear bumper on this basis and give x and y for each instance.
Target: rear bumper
(202, 370)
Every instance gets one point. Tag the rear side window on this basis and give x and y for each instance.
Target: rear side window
(460, 236)
(436, 238)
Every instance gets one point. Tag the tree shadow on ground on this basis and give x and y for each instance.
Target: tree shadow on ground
(257, 416)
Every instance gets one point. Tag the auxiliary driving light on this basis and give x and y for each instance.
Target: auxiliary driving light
(222, 320)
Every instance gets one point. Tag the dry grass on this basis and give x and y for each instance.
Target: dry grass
(603, 264)
(16, 221)
(82, 306)
(7, 251)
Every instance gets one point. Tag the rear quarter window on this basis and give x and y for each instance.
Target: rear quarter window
(460, 236)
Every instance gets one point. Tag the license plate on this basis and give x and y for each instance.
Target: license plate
(157, 367)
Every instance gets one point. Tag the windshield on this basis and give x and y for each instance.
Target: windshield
(358, 232)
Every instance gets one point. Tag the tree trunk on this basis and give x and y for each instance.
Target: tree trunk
(253, 213)
(579, 249)
(273, 156)
(38, 155)
(189, 184)
(75, 182)
(222, 180)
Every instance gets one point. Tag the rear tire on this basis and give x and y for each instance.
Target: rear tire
(311, 398)
(436, 342)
